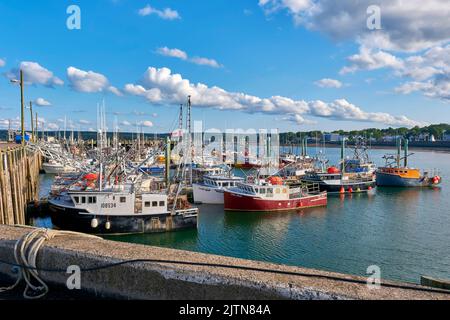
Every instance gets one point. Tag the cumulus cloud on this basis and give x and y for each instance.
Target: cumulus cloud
(41, 102)
(366, 59)
(166, 14)
(84, 122)
(34, 73)
(160, 86)
(89, 81)
(406, 25)
(147, 124)
(180, 54)
(328, 83)
(427, 72)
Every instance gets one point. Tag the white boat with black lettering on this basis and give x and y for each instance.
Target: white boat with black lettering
(119, 209)
(211, 189)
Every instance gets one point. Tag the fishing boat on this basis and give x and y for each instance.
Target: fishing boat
(395, 175)
(272, 195)
(119, 209)
(55, 167)
(360, 178)
(211, 189)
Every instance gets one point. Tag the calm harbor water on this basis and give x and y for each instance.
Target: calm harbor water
(406, 232)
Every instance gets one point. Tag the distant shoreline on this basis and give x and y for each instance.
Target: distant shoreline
(439, 146)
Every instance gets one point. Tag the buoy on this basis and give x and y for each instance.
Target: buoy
(107, 225)
(342, 190)
(358, 189)
(94, 223)
(369, 188)
(350, 190)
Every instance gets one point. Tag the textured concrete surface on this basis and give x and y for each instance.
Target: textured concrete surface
(171, 281)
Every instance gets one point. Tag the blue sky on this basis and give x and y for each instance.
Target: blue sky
(278, 64)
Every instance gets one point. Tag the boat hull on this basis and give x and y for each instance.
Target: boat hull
(77, 220)
(207, 195)
(357, 186)
(56, 169)
(239, 202)
(391, 180)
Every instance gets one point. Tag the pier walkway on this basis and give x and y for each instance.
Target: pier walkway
(194, 276)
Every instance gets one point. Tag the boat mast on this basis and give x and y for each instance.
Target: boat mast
(343, 155)
(399, 150)
(406, 154)
(190, 148)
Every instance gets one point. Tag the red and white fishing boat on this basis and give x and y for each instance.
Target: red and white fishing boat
(272, 195)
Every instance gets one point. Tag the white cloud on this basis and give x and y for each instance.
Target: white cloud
(42, 102)
(51, 126)
(34, 73)
(2, 63)
(328, 83)
(175, 53)
(206, 62)
(427, 72)
(406, 25)
(160, 86)
(84, 122)
(180, 54)
(125, 123)
(166, 14)
(89, 81)
(366, 59)
(147, 124)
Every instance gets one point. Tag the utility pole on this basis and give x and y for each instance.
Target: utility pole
(37, 131)
(22, 111)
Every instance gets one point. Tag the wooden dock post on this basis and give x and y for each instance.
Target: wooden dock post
(19, 182)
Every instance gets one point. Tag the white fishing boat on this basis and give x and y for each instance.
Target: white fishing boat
(55, 167)
(211, 189)
(119, 209)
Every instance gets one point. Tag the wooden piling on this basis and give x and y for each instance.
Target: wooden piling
(19, 182)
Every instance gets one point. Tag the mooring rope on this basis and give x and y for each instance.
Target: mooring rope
(26, 250)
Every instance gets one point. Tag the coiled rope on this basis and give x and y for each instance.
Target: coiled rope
(26, 250)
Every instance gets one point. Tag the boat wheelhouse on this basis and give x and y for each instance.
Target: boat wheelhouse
(211, 190)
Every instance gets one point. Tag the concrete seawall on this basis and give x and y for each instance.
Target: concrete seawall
(172, 281)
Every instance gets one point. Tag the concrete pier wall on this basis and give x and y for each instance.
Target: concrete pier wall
(173, 281)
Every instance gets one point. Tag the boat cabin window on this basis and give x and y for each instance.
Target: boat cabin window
(147, 204)
(123, 199)
(225, 184)
(83, 199)
(262, 190)
(277, 190)
(269, 190)
(162, 203)
(92, 199)
(154, 203)
(76, 199)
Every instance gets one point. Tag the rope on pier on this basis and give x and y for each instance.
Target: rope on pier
(26, 251)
